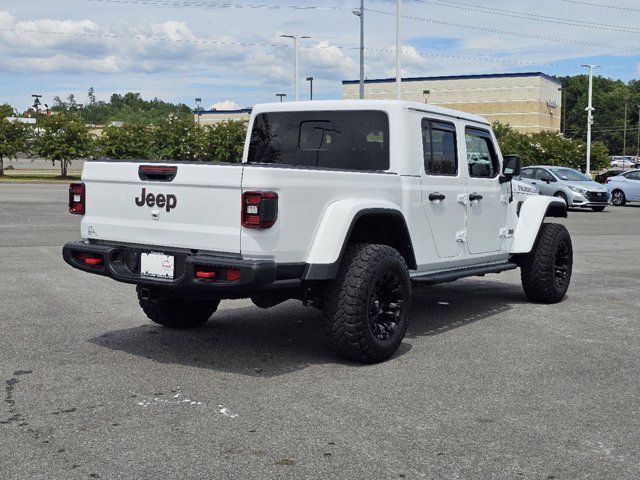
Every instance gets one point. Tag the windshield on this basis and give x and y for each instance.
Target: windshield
(353, 140)
(570, 175)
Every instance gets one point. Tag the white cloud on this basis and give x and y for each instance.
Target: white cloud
(226, 105)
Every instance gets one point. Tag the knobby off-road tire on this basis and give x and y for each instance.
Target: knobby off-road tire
(176, 312)
(546, 271)
(366, 308)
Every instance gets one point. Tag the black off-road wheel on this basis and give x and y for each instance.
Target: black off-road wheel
(176, 313)
(546, 271)
(598, 209)
(618, 198)
(366, 308)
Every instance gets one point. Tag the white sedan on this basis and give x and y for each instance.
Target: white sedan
(624, 162)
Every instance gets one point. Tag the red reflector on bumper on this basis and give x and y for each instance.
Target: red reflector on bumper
(93, 261)
(205, 274)
(233, 274)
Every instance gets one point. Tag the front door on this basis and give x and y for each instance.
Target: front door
(487, 198)
(443, 187)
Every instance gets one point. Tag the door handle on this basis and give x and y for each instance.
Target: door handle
(436, 196)
(473, 197)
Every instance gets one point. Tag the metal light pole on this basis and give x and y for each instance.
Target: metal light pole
(281, 96)
(398, 47)
(295, 61)
(198, 100)
(310, 80)
(624, 135)
(360, 13)
(589, 110)
(564, 112)
(36, 102)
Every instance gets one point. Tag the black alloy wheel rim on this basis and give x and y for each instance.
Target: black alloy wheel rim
(617, 198)
(561, 264)
(385, 306)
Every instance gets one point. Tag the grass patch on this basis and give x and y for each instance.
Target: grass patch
(28, 176)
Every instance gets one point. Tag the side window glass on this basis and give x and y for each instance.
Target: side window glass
(527, 173)
(440, 151)
(481, 156)
(540, 174)
(634, 176)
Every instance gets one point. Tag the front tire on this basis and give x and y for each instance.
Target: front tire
(546, 271)
(618, 198)
(177, 313)
(562, 196)
(366, 308)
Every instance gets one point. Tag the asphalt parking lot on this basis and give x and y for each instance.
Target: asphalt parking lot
(485, 386)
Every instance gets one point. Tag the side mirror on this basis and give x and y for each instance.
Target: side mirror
(511, 166)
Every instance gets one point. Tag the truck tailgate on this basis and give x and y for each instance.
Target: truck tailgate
(198, 209)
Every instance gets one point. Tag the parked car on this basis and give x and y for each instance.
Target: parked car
(624, 188)
(627, 161)
(602, 177)
(338, 204)
(575, 188)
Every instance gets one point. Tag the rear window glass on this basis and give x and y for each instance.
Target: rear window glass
(352, 140)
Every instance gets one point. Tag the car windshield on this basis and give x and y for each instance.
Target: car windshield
(570, 175)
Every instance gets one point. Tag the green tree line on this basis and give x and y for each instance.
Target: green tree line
(64, 137)
(609, 98)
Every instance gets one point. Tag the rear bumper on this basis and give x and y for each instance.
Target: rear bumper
(122, 263)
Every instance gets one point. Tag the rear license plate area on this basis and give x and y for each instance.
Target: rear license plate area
(157, 265)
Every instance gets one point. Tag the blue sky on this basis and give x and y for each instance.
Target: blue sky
(234, 56)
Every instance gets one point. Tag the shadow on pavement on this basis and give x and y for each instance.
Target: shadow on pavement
(290, 337)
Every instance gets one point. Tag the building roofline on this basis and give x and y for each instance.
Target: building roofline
(224, 112)
(457, 77)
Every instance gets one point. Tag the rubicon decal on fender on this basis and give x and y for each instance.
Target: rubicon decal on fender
(161, 200)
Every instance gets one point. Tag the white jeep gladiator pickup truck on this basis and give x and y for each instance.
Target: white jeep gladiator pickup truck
(344, 205)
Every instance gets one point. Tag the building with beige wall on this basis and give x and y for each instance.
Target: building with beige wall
(529, 102)
(210, 117)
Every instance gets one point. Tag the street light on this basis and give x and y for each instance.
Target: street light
(564, 111)
(360, 13)
(426, 94)
(281, 95)
(295, 60)
(310, 80)
(398, 46)
(589, 110)
(36, 102)
(198, 100)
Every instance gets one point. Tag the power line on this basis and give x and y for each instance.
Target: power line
(179, 3)
(529, 16)
(509, 33)
(614, 7)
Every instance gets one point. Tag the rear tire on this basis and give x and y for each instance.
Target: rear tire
(178, 313)
(366, 308)
(546, 270)
(598, 209)
(618, 198)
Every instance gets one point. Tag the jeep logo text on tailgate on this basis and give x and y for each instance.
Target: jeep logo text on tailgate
(163, 201)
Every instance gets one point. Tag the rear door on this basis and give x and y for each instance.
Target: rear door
(632, 186)
(189, 206)
(442, 187)
(487, 198)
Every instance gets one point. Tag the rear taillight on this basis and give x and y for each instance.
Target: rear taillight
(259, 209)
(76, 198)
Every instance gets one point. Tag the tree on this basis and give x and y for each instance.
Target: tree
(62, 138)
(91, 96)
(6, 110)
(177, 138)
(550, 148)
(13, 139)
(224, 141)
(126, 141)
